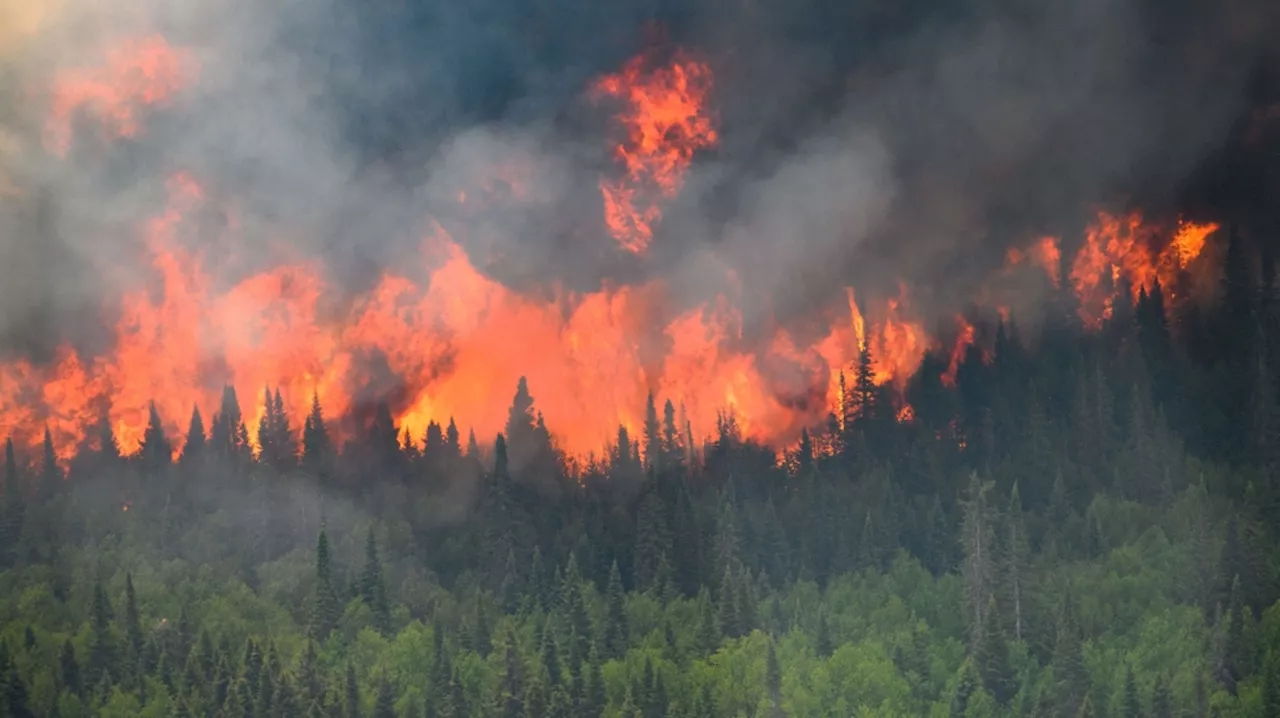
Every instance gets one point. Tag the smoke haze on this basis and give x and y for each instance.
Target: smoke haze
(872, 144)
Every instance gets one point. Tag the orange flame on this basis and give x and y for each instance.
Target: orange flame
(139, 74)
(1125, 248)
(666, 123)
(1044, 253)
(963, 341)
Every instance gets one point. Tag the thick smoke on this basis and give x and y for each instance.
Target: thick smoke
(863, 143)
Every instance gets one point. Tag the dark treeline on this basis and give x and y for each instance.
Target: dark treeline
(1086, 524)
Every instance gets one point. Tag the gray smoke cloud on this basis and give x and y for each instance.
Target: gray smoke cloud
(863, 143)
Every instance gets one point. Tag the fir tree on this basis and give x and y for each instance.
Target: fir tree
(1130, 707)
(992, 658)
(325, 609)
(773, 682)
(102, 649)
(317, 449)
(133, 629)
(353, 694)
(194, 448)
(384, 705)
(155, 450)
(616, 635)
(373, 588)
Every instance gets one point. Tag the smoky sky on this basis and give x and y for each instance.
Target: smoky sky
(863, 142)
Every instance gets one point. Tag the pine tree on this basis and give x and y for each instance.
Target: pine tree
(773, 682)
(673, 449)
(978, 570)
(317, 448)
(194, 448)
(102, 649)
(50, 473)
(229, 438)
(822, 639)
(574, 613)
(1131, 708)
(373, 588)
(864, 391)
(133, 630)
(727, 605)
(13, 509)
(353, 693)
(384, 705)
(156, 451)
(992, 658)
(108, 445)
(549, 656)
(616, 635)
(707, 630)
(325, 610)
(1070, 678)
(652, 437)
(508, 700)
(1015, 564)
(69, 670)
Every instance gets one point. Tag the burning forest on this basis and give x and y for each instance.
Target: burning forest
(439, 340)
(553, 360)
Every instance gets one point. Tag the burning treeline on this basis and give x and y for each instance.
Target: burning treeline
(444, 342)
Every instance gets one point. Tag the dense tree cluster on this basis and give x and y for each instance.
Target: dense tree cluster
(1085, 524)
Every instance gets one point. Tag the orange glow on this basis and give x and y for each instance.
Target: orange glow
(666, 122)
(1126, 248)
(139, 74)
(963, 341)
(440, 339)
(1044, 253)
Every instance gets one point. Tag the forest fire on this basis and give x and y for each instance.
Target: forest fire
(666, 121)
(1126, 251)
(455, 344)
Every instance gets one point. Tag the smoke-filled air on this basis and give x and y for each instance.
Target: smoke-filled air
(700, 359)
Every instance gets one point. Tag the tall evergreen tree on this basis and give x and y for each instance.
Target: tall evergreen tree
(373, 587)
(616, 634)
(325, 609)
(194, 447)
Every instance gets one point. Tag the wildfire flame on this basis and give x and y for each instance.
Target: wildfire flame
(1125, 248)
(139, 74)
(666, 121)
(1044, 253)
(443, 340)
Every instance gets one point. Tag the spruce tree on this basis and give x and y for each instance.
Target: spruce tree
(194, 448)
(325, 608)
(992, 658)
(50, 473)
(156, 451)
(354, 709)
(616, 634)
(384, 705)
(1130, 707)
(773, 682)
(102, 648)
(69, 670)
(13, 509)
(317, 449)
(133, 630)
(373, 588)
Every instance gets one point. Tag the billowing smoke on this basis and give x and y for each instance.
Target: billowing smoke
(865, 144)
